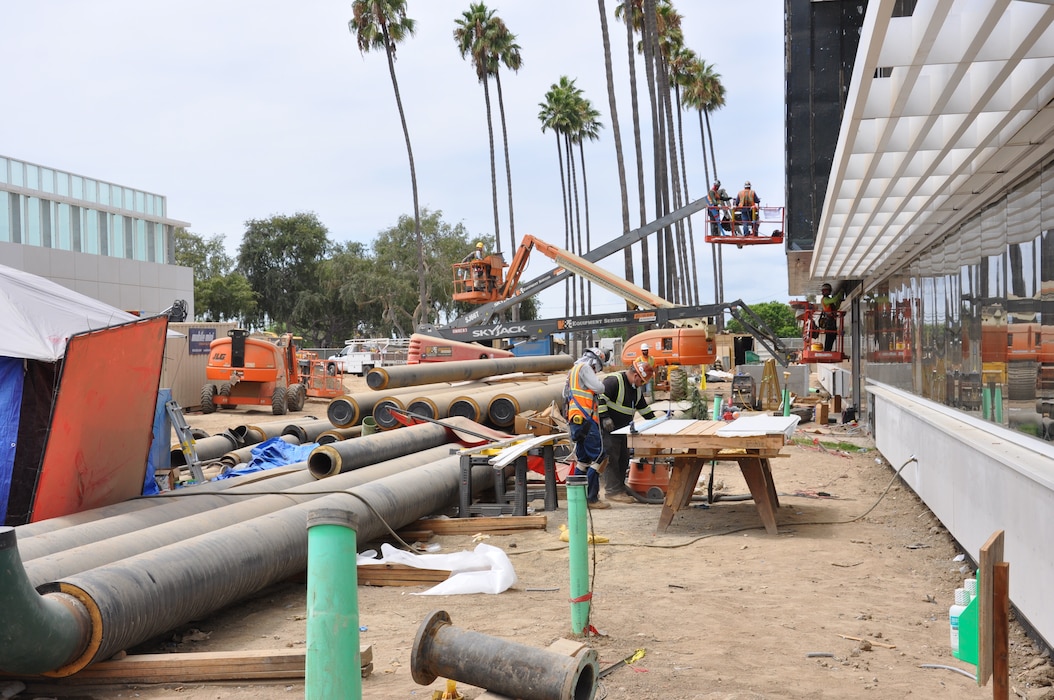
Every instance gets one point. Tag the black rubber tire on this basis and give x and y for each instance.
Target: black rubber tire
(278, 401)
(225, 390)
(207, 404)
(296, 396)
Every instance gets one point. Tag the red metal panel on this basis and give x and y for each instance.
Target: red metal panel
(101, 425)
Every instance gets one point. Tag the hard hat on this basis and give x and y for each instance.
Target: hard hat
(597, 357)
(643, 369)
(746, 184)
(826, 286)
(717, 183)
(480, 244)
(645, 346)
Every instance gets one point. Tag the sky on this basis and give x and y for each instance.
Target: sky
(237, 110)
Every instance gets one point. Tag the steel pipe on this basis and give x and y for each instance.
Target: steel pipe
(136, 599)
(503, 408)
(244, 455)
(307, 432)
(506, 668)
(328, 460)
(266, 431)
(101, 552)
(350, 409)
(383, 415)
(208, 448)
(338, 434)
(406, 375)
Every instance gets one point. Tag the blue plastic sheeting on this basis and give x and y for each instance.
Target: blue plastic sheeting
(269, 454)
(160, 449)
(11, 376)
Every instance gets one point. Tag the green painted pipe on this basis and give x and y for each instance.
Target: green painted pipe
(50, 631)
(997, 403)
(986, 403)
(786, 401)
(334, 666)
(578, 552)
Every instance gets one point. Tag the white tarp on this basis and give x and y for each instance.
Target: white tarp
(37, 316)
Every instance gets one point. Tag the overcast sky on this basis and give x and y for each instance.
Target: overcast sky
(238, 110)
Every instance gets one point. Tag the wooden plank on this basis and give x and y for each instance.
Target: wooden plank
(1001, 631)
(399, 575)
(192, 667)
(471, 526)
(991, 554)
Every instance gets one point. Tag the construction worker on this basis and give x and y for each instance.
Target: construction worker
(746, 204)
(583, 395)
(828, 321)
(478, 272)
(645, 351)
(624, 396)
(717, 201)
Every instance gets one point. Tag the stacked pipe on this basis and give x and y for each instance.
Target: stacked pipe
(407, 375)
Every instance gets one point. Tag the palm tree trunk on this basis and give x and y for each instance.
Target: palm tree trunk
(627, 253)
(568, 286)
(493, 168)
(576, 222)
(422, 302)
(645, 258)
(508, 163)
(658, 163)
(585, 200)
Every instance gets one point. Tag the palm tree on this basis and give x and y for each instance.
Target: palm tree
(507, 53)
(380, 24)
(589, 125)
(474, 32)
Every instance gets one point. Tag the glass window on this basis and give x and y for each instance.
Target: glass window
(47, 218)
(114, 195)
(128, 199)
(63, 239)
(32, 177)
(62, 184)
(18, 178)
(104, 193)
(91, 231)
(3, 170)
(78, 187)
(140, 202)
(33, 221)
(104, 232)
(5, 217)
(47, 180)
(15, 210)
(76, 242)
(91, 190)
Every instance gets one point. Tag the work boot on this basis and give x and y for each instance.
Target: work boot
(598, 505)
(619, 498)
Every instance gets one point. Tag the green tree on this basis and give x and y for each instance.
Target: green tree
(219, 293)
(382, 24)
(280, 257)
(778, 316)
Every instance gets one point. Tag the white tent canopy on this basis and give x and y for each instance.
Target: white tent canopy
(37, 316)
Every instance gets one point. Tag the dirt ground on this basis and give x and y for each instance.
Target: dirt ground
(719, 609)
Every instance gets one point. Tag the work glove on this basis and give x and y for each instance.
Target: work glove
(606, 424)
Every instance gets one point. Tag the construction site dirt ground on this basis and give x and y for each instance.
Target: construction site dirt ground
(849, 600)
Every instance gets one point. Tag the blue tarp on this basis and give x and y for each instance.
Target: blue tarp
(12, 372)
(269, 454)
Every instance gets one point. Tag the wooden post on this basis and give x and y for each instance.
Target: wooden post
(836, 403)
(991, 554)
(1001, 631)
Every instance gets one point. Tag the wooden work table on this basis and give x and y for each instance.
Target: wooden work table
(751, 442)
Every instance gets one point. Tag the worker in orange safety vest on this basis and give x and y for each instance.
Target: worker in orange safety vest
(583, 395)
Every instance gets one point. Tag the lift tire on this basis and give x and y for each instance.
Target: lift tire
(296, 396)
(225, 390)
(278, 401)
(207, 404)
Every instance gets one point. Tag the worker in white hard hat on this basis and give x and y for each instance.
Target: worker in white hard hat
(624, 397)
(583, 394)
(645, 355)
(746, 206)
(478, 270)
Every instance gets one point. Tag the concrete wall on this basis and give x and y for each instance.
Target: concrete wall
(129, 285)
(978, 478)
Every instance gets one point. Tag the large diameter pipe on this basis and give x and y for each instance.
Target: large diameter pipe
(139, 598)
(138, 540)
(406, 375)
(507, 668)
(307, 432)
(328, 460)
(350, 409)
(338, 434)
(244, 455)
(504, 407)
(383, 415)
(266, 431)
(207, 448)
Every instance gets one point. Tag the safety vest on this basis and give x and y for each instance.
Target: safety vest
(713, 197)
(621, 405)
(582, 401)
(746, 198)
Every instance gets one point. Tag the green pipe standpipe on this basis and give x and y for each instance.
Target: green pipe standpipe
(137, 541)
(997, 403)
(407, 375)
(578, 552)
(507, 668)
(136, 599)
(334, 665)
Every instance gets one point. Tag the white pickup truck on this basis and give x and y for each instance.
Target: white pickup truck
(360, 355)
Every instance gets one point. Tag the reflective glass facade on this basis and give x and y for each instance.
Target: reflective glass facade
(970, 323)
(50, 208)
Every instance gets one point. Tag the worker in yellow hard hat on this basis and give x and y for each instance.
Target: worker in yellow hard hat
(624, 397)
